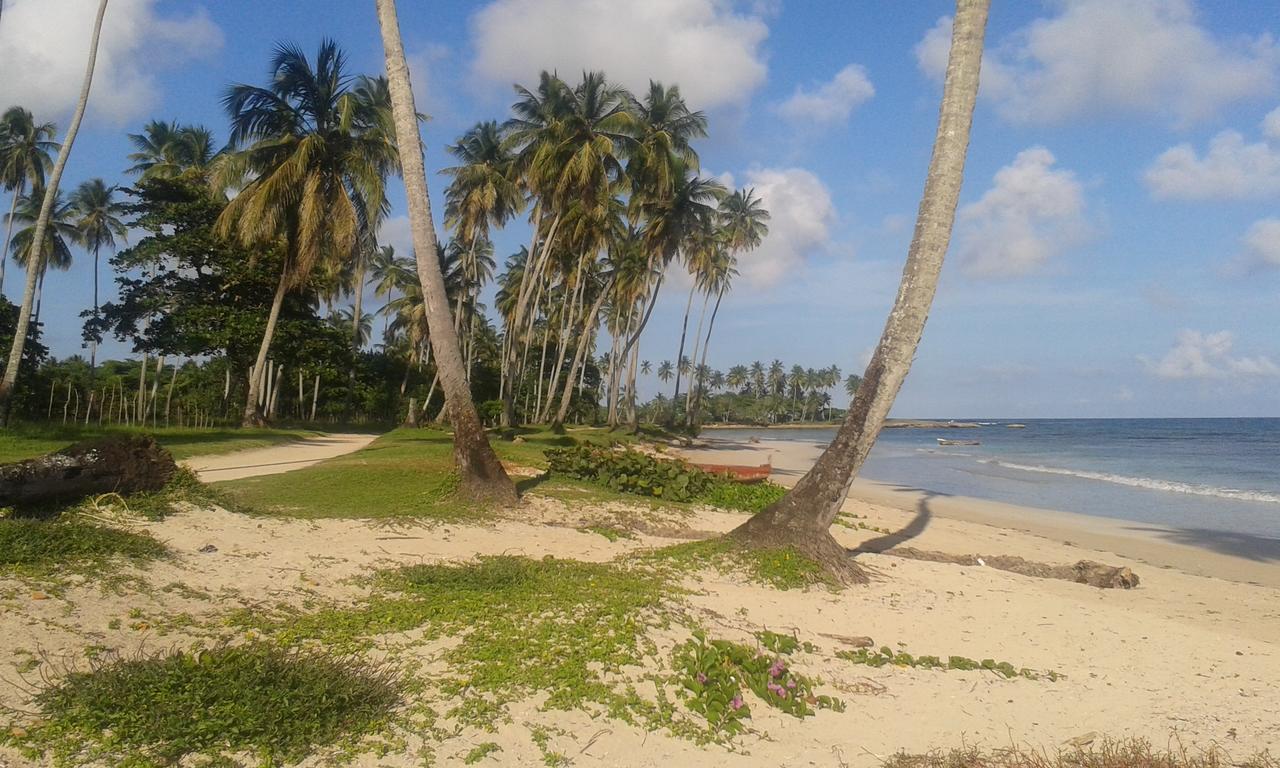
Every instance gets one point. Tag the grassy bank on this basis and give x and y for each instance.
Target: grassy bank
(27, 441)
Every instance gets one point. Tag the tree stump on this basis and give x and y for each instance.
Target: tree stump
(121, 465)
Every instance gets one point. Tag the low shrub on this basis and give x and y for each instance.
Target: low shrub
(279, 704)
(37, 546)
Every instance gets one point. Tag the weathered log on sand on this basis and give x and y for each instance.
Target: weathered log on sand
(1083, 572)
(121, 465)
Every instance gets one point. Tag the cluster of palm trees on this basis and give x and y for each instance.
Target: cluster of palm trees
(90, 217)
(755, 392)
(612, 188)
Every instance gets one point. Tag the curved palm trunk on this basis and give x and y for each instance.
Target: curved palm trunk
(695, 375)
(252, 416)
(93, 345)
(357, 343)
(579, 357)
(8, 230)
(696, 418)
(42, 225)
(684, 330)
(803, 517)
(482, 475)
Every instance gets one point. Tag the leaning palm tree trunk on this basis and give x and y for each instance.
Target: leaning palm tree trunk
(8, 230)
(42, 226)
(684, 330)
(252, 416)
(803, 517)
(579, 357)
(481, 473)
(695, 418)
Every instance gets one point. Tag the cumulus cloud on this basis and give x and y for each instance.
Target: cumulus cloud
(1031, 213)
(1147, 56)
(44, 45)
(1199, 355)
(833, 101)
(1230, 169)
(800, 218)
(712, 51)
(1262, 244)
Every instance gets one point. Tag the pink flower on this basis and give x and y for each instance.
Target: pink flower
(791, 684)
(777, 669)
(777, 690)
(736, 703)
(702, 678)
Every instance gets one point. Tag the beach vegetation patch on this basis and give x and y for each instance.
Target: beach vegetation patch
(886, 656)
(278, 704)
(41, 547)
(778, 567)
(1107, 753)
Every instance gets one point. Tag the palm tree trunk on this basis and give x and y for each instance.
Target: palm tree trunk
(93, 345)
(684, 329)
(579, 357)
(357, 309)
(482, 475)
(252, 416)
(695, 378)
(803, 517)
(42, 225)
(697, 401)
(8, 230)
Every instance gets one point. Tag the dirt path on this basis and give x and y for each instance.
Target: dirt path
(277, 458)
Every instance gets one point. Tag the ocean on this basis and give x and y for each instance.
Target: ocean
(1206, 475)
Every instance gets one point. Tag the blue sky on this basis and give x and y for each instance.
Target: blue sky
(1117, 250)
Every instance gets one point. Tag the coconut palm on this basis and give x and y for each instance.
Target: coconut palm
(42, 222)
(666, 371)
(98, 219)
(481, 473)
(315, 159)
(25, 146)
(803, 517)
(61, 234)
(166, 149)
(663, 148)
(646, 367)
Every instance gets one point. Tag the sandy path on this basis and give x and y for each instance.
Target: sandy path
(277, 458)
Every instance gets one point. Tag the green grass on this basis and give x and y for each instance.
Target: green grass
(1109, 753)
(45, 547)
(277, 704)
(780, 568)
(558, 627)
(28, 440)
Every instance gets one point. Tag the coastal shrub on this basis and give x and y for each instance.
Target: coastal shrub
(280, 704)
(630, 471)
(38, 546)
(778, 567)
(886, 656)
(713, 674)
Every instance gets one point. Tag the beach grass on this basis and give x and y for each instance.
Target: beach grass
(27, 441)
(31, 547)
(1105, 753)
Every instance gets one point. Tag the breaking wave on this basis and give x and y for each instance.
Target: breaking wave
(1147, 482)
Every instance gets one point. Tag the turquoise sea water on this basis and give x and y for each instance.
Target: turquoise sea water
(1209, 478)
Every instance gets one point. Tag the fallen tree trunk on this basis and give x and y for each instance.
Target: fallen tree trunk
(1083, 572)
(121, 465)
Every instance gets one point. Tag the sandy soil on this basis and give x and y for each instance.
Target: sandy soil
(277, 458)
(1185, 656)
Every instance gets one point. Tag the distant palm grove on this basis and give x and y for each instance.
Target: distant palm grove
(238, 272)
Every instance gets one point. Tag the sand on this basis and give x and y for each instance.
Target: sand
(277, 458)
(1187, 656)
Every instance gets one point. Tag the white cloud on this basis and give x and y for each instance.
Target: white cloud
(1144, 56)
(832, 102)
(1031, 214)
(706, 46)
(1262, 243)
(1199, 355)
(800, 217)
(44, 45)
(1229, 170)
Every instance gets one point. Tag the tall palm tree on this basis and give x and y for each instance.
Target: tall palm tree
(166, 149)
(25, 146)
(803, 517)
(99, 223)
(315, 159)
(62, 233)
(666, 371)
(481, 472)
(42, 223)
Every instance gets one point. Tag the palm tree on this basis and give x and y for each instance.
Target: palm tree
(803, 517)
(166, 149)
(25, 146)
(646, 367)
(316, 159)
(482, 474)
(42, 223)
(851, 384)
(62, 233)
(666, 371)
(99, 224)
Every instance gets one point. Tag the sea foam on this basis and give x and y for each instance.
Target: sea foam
(1149, 483)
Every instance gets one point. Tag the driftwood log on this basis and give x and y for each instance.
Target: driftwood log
(1083, 572)
(121, 465)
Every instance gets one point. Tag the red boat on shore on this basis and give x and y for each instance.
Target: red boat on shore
(737, 472)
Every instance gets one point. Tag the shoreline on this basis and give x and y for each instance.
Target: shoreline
(1198, 553)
